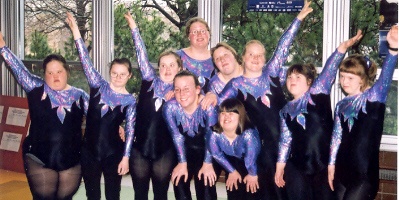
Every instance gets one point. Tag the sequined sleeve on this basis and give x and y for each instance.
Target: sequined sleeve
(284, 145)
(229, 91)
(147, 70)
(212, 118)
(27, 80)
(169, 113)
(216, 85)
(282, 51)
(93, 77)
(216, 144)
(129, 127)
(252, 144)
(379, 91)
(326, 78)
(336, 137)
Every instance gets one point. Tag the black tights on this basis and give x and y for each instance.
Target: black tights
(46, 184)
(92, 170)
(159, 171)
(360, 189)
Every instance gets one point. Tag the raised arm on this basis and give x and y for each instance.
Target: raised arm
(93, 77)
(147, 70)
(382, 85)
(282, 51)
(27, 80)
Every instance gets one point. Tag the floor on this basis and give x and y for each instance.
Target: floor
(14, 186)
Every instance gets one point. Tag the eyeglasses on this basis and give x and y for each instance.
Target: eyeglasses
(122, 76)
(184, 90)
(197, 32)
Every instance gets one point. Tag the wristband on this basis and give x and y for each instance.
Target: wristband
(393, 49)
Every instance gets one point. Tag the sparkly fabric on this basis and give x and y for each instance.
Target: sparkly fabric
(260, 87)
(152, 138)
(182, 125)
(109, 102)
(299, 108)
(348, 109)
(148, 73)
(55, 134)
(216, 85)
(203, 69)
(246, 146)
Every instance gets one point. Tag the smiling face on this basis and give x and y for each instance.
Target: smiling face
(229, 121)
(199, 35)
(119, 75)
(56, 76)
(186, 93)
(350, 83)
(168, 68)
(254, 58)
(297, 84)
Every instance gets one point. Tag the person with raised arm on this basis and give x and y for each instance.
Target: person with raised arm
(153, 155)
(353, 169)
(51, 151)
(104, 152)
(260, 89)
(306, 125)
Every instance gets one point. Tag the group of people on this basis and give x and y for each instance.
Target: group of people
(206, 111)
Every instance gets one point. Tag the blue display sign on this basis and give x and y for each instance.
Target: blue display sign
(275, 5)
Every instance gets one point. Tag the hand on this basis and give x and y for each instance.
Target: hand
(305, 10)
(278, 177)
(130, 20)
(392, 38)
(209, 174)
(70, 20)
(209, 99)
(252, 183)
(2, 42)
(179, 171)
(348, 43)
(331, 172)
(169, 95)
(123, 167)
(122, 133)
(232, 180)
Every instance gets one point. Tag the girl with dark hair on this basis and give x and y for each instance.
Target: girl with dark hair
(189, 123)
(51, 151)
(104, 152)
(260, 90)
(235, 145)
(353, 169)
(153, 155)
(306, 126)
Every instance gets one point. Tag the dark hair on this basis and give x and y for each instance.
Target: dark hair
(308, 70)
(192, 21)
(357, 64)
(55, 57)
(169, 52)
(234, 105)
(228, 47)
(183, 73)
(122, 61)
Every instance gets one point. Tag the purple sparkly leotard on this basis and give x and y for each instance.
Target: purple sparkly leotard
(107, 110)
(358, 125)
(203, 69)
(306, 123)
(263, 98)
(56, 118)
(246, 146)
(151, 133)
(216, 85)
